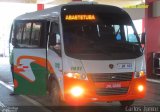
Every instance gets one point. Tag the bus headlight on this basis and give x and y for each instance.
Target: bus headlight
(77, 91)
(140, 88)
(76, 75)
(139, 74)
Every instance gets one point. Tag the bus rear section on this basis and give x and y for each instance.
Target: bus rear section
(103, 60)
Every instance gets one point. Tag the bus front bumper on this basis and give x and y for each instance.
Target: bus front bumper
(82, 91)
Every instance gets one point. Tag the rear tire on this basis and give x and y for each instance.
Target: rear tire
(55, 94)
(126, 103)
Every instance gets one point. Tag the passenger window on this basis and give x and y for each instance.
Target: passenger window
(28, 34)
(36, 34)
(18, 33)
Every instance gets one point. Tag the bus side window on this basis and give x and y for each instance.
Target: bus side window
(36, 34)
(18, 34)
(28, 34)
(54, 37)
(130, 34)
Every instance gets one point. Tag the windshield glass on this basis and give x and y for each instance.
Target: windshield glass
(106, 37)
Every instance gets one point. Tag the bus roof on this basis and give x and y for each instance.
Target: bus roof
(43, 14)
(55, 11)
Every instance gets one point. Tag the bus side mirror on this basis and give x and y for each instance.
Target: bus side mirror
(143, 38)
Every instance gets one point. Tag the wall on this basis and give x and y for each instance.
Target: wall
(156, 9)
(8, 12)
(135, 13)
(152, 35)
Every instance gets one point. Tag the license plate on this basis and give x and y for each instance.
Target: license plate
(113, 85)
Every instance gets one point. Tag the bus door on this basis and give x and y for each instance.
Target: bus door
(54, 53)
(29, 57)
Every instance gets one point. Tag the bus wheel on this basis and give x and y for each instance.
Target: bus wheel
(127, 103)
(55, 94)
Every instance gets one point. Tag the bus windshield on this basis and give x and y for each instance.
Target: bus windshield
(100, 36)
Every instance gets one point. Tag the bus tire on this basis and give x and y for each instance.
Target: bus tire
(126, 103)
(55, 94)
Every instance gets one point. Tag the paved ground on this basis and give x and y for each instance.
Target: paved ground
(42, 104)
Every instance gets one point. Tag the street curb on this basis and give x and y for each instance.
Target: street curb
(153, 80)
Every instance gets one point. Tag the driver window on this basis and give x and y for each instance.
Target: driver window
(54, 37)
(129, 34)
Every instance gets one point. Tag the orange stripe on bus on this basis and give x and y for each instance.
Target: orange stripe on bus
(37, 60)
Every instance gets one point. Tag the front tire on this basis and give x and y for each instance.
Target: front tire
(127, 103)
(55, 94)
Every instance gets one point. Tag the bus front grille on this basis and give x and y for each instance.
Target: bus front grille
(110, 77)
(111, 91)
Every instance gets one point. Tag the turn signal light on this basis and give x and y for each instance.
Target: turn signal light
(76, 75)
(139, 74)
(73, 75)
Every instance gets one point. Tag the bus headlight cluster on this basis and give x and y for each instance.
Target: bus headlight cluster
(139, 74)
(76, 75)
(140, 88)
(77, 91)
